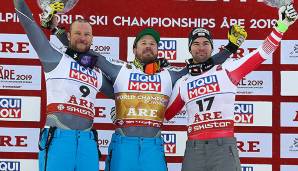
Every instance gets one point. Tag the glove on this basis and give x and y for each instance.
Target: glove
(48, 13)
(113, 114)
(236, 36)
(163, 62)
(287, 16)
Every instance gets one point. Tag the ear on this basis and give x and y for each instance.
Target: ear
(134, 51)
(68, 36)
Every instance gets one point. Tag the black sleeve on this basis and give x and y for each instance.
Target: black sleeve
(221, 57)
(107, 87)
(48, 56)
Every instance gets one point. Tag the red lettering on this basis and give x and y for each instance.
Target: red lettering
(83, 102)
(5, 141)
(239, 53)
(296, 117)
(20, 141)
(21, 47)
(249, 146)
(7, 47)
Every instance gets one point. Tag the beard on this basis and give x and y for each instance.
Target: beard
(80, 46)
(147, 56)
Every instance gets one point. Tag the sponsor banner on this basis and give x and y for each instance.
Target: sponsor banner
(249, 113)
(255, 145)
(174, 166)
(247, 47)
(102, 110)
(246, 113)
(175, 50)
(19, 139)
(106, 46)
(174, 142)
(289, 52)
(20, 77)
(256, 167)
(104, 139)
(18, 164)
(289, 145)
(16, 46)
(288, 167)
(19, 108)
(256, 83)
(289, 83)
(289, 114)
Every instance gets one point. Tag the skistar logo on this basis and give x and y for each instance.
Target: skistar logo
(202, 86)
(10, 108)
(142, 82)
(83, 74)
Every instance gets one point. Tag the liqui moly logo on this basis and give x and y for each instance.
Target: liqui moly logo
(10, 166)
(202, 86)
(243, 113)
(142, 82)
(10, 108)
(167, 49)
(83, 74)
(169, 143)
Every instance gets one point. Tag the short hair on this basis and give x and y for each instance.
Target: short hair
(80, 20)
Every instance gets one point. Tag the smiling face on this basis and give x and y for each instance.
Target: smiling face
(201, 49)
(146, 49)
(80, 36)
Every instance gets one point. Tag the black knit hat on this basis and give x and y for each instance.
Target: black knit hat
(199, 32)
(147, 31)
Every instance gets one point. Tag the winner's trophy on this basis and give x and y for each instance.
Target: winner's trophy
(68, 4)
(278, 3)
(50, 8)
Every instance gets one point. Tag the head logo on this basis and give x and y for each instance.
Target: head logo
(294, 147)
(83, 74)
(10, 108)
(142, 82)
(247, 168)
(167, 49)
(243, 113)
(169, 143)
(202, 86)
(10, 166)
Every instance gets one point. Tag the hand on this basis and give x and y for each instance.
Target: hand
(48, 18)
(287, 16)
(236, 36)
(163, 62)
